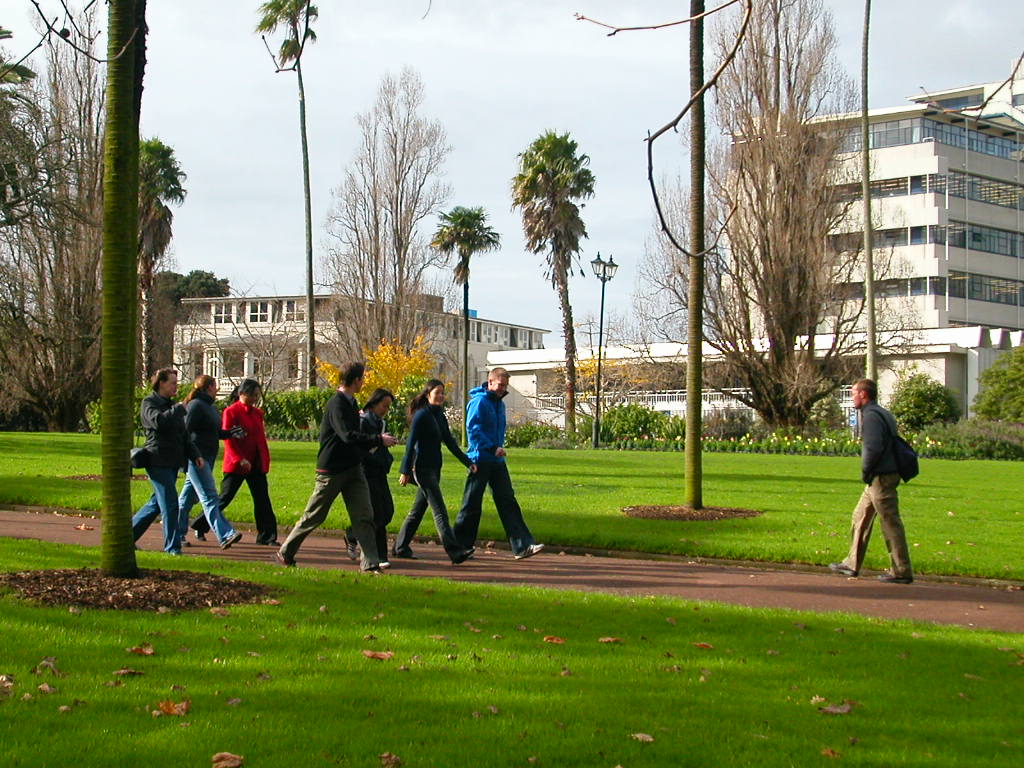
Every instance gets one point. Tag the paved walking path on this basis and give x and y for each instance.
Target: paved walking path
(972, 603)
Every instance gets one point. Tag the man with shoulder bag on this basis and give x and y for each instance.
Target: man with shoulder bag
(880, 471)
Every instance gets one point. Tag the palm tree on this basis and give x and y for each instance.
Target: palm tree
(126, 53)
(12, 74)
(160, 184)
(551, 178)
(296, 16)
(464, 231)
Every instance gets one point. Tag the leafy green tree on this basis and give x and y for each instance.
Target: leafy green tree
(1002, 389)
(198, 284)
(126, 52)
(295, 17)
(161, 182)
(464, 231)
(552, 177)
(918, 400)
(12, 73)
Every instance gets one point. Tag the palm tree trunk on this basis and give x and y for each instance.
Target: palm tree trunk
(694, 494)
(120, 232)
(310, 307)
(570, 356)
(465, 349)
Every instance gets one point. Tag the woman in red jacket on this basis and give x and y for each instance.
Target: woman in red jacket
(247, 459)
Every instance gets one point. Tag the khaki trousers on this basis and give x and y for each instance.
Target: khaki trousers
(351, 484)
(880, 498)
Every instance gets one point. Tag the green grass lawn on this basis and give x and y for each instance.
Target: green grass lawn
(476, 681)
(962, 517)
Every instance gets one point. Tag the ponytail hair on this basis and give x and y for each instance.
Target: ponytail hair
(420, 401)
(201, 382)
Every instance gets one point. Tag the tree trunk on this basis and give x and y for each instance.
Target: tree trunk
(865, 187)
(570, 357)
(465, 352)
(310, 304)
(694, 494)
(126, 52)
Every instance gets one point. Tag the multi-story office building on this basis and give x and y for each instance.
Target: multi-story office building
(947, 181)
(265, 337)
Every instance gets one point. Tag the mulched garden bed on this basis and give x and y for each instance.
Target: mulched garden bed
(651, 512)
(152, 590)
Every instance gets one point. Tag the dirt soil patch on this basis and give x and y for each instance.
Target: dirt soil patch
(152, 590)
(653, 512)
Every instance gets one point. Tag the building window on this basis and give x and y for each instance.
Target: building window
(294, 310)
(212, 366)
(223, 312)
(292, 370)
(259, 311)
(232, 363)
(513, 337)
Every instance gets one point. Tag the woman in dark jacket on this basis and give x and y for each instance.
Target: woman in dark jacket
(422, 462)
(169, 446)
(203, 422)
(376, 465)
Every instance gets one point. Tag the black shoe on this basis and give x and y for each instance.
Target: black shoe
(351, 548)
(461, 557)
(374, 570)
(888, 578)
(200, 536)
(841, 569)
(287, 562)
(232, 539)
(405, 554)
(530, 551)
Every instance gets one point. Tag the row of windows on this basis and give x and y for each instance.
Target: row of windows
(257, 311)
(231, 363)
(894, 133)
(958, 234)
(959, 285)
(956, 184)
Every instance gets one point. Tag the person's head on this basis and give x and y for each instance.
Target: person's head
(379, 402)
(431, 394)
(864, 391)
(497, 382)
(352, 375)
(203, 383)
(165, 382)
(250, 391)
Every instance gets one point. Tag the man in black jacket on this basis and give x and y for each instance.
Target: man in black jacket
(339, 469)
(880, 475)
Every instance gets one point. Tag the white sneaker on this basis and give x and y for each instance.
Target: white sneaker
(385, 564)
(530, 551)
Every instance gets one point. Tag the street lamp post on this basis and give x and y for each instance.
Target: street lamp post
(605, 271)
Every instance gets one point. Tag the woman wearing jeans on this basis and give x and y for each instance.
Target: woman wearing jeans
(169, 445)
(422, 462)
(203, 422)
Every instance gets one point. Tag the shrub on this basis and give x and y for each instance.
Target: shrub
(919, 400)
(631, 422)
(1002, 389)
(555, 443)
(673, 428)
(727, 425)
(94, 411)
(971, 439)
(528, 434)
(826, 415)
(295, 409)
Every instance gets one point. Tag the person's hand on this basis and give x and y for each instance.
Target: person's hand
(403, 479)
(199, 462)
(180, 409)
(499, 451)
(245, 464)
(388, 440)
(472, 469)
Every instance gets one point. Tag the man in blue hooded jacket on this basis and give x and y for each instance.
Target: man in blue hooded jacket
(485, 426)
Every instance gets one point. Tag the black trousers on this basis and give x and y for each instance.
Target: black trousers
(383, 510)
(263, 510)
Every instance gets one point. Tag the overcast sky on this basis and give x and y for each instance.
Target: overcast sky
(496, 75)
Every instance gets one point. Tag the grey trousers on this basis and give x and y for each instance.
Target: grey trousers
(351, 484)
(880, 499)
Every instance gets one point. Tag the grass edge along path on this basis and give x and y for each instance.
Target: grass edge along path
(957, 513)
(493, 676)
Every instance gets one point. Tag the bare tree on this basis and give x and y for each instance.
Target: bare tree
(381, 268)
(51, 246)
(775, 283)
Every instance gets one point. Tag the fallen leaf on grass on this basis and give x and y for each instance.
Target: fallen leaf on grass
(218, 611)
(838, 709)
(438, 637)
(226, 760)
(609, 639)
(554, 639)
(566, 672)
(178, 709)
(969, 676)
(671, 621)
(389, 760)
(142, 650)
(47, 688)
(382, 655)
(127, 672)
(271, 601)
(113, 683)
(830, 753)
(264, 676)
(644, 737)
(817, 699)
(705, 646)
(233, 702)
(49, 664)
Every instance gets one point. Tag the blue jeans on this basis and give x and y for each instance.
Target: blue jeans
(493, 474)
(164, 501)
(200, 486)
(428, 493)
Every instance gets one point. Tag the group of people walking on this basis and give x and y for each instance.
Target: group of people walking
(353, 461)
